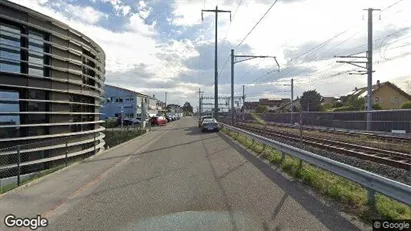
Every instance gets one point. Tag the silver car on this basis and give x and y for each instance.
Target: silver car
(209, 124)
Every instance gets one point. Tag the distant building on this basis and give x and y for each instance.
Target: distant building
(175, 109)
(386, 94)
(270, 104)
(329, 100)
(250, 107)
(287, 107)
(129, 102)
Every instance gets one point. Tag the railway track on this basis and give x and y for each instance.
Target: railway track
(387, 157)
(379, 136)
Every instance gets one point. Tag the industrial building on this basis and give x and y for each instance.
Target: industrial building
(129, 102)
(51, 87)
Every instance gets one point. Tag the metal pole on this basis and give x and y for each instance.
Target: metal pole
(94, 143)
(243, 101)
(292, 99)
(18, 165)
(232, 86)
(65, 159)
(369, 70)
(165, 99)
(216, 68)
(199, 102)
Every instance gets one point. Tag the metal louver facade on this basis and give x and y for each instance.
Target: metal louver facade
(51, 87)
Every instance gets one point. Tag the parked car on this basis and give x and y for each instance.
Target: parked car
(200, 120)
(210, 125)
(158, 120)
(169, 118)
(127, 122)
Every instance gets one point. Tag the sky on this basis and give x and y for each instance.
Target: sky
(158, 46)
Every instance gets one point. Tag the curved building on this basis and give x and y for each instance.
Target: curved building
(51, 87)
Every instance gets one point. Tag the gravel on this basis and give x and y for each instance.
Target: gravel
(393, 173)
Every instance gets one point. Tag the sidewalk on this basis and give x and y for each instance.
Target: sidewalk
(46, 194)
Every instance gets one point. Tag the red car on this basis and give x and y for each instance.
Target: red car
(158, 120)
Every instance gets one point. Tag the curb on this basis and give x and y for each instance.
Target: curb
(69, 166)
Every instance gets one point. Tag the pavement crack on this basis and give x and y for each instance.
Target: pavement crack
(226, 203)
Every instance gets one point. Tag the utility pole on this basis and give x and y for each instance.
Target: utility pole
(292, 99)
(368, 66)
(216, 11)
(243, 101)
(165, 98)
(243, 94)
(233, 61)
(232, 86)
(199, 100)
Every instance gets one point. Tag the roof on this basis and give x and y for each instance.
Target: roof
(251, 105)
(362, 92)
(129, 90)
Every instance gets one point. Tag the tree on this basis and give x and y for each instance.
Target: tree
(376, 106)
(187, 107)
(311, 101)
(358, 104)
(261, 109)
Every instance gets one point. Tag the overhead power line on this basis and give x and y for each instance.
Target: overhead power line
(225, 37)
(388, 7)
(313, 50)
(256, 24)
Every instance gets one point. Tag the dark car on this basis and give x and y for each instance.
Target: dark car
(210, 125)
(128, 122)
(200, 121)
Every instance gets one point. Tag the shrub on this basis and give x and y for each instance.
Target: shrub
(344, 108)
(406, 105)
(376, 107)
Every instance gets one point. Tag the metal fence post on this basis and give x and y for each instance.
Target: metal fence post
(65, 159)
(18, 165)
(300, 164)
(371, 197)
(94, 143)
(282, 157)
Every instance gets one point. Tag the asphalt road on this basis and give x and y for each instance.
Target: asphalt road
(175, 178)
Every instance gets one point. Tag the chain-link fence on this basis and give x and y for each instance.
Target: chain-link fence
(381, 121)
(23, 162)
(118, 135)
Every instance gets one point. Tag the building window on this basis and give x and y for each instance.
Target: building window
(9, 48)
(377, 99)
(36, 56)
(395, 100)
(9, 103)
(109, 100)
(38, 94)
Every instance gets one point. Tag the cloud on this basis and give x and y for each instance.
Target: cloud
(84, 14)
(137, 24)
(157, 46)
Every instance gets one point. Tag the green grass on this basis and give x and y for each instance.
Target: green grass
(351, 196)
(113, 138)
(40, 174)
